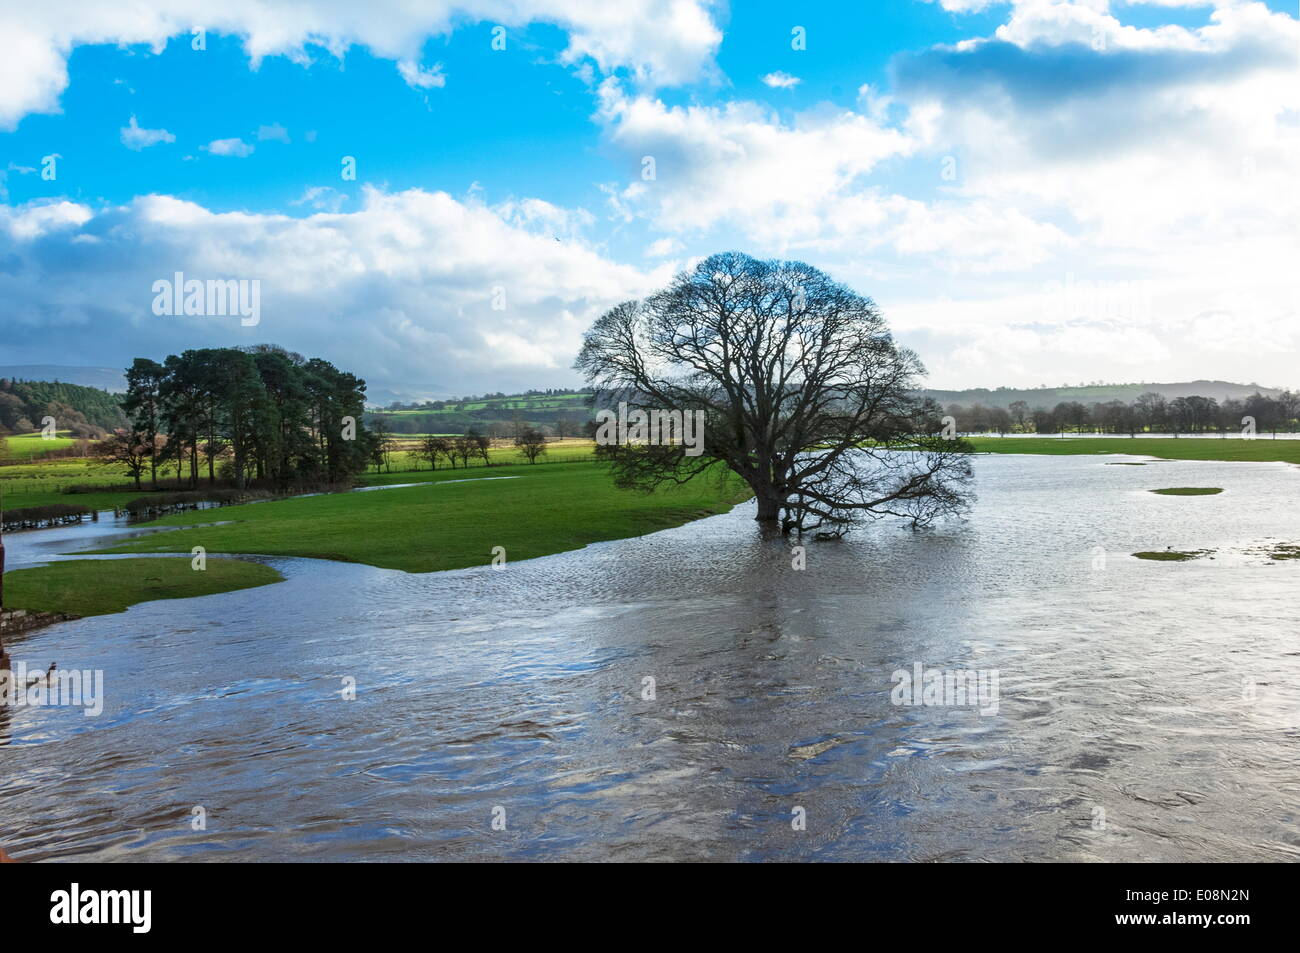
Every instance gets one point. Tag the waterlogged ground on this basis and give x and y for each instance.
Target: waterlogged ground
(1147, 710)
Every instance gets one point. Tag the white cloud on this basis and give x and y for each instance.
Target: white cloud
(1163, 135)
(740, 165)
(400, 291)
(664, 247)
(663, 42)
(323, 198)
(1080, 146)
(1166, 156)
(38, 219)
(418, 77)
(780, 80)
(229, 147)
(541, 217)
(133, 137)
(273, 133)
(966, 6)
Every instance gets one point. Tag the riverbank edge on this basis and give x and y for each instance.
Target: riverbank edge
(18, 620)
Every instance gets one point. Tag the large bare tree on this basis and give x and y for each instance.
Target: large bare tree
(804, 391)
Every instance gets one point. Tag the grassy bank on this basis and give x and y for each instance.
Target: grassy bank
(450, 525)
(1260, 450)
(98, 586)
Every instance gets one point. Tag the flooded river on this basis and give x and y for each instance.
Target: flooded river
(1145, 710)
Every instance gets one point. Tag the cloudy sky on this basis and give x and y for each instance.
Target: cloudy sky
(1035, 192)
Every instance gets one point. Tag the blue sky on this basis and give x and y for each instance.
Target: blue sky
(1036, 192)
(515, 121)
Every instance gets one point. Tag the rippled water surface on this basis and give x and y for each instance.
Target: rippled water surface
(1125, 688)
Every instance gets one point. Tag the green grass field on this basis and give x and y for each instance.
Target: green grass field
(1260, 450)
(450, 525)
(569, 451)
(26, 446)
(41, 483)
(85, 587)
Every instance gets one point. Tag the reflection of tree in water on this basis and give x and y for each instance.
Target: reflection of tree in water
(4, 678)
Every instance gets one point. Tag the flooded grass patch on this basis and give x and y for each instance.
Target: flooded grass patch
(451, 523)
(83, 587)
(1277, 552)
(1261, 450)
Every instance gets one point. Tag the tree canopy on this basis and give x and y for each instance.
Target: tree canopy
(271, 415)
(804, 394)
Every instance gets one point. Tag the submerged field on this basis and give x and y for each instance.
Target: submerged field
(454, 522)
(460, 517)
(1260, 450)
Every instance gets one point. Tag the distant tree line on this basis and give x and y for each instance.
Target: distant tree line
(496, 422)
(250, 414)
(454, 450)
(1149, 413)
(87, 412)
(458, 403)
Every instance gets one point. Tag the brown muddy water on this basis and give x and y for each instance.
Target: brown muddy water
(1145, 710)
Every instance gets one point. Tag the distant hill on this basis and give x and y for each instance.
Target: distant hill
(562, 412)
(501, 412)
(105, 378)
(85, 411)
(1049, 397)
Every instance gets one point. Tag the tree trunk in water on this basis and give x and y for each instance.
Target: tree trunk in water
(769, 508)
(4, 656)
